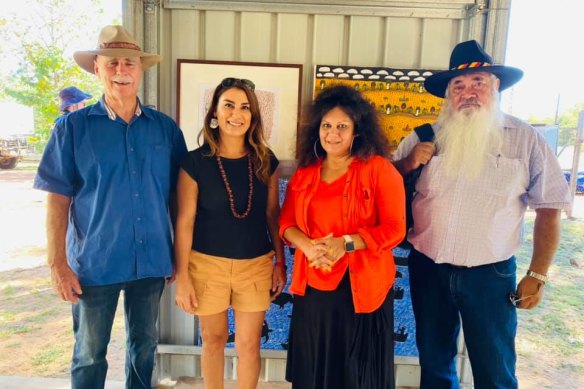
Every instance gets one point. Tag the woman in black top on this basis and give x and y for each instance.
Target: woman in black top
(227, 231)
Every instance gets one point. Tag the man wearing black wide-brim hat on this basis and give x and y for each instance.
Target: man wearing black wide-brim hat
(482, 171)
(109, 170)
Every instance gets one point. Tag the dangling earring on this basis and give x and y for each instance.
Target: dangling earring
(314, 148)
(213, 123)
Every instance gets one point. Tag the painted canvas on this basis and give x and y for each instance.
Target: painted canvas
(397, 94)
(277, 87)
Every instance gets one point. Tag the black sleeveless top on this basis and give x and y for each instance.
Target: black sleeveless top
(217, 232)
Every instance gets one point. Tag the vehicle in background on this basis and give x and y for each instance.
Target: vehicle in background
(12, 149)
(579, 180)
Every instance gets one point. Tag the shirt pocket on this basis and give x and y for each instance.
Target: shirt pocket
(160, 167)
(364, 202)
(505, 177)
(160, 159)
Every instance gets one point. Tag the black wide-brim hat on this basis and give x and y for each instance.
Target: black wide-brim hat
(469, 57)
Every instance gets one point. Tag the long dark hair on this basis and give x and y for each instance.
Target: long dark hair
(254, 139)
(369, 139)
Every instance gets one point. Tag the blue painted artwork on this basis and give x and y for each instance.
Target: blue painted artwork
(404, 326)
(277, 321)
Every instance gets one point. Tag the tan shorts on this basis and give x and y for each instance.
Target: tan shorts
(220, 282)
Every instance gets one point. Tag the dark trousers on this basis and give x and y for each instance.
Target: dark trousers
(443, 296)
(93, 318)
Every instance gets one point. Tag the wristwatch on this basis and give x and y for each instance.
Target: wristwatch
(349, 243)
(537, 276)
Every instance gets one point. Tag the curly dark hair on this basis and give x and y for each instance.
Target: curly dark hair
(369, 140)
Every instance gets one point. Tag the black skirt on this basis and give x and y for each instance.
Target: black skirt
(332, 347)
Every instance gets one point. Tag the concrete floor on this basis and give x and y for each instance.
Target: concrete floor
(14, 382)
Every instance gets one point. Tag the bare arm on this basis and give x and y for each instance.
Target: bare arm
(187, 196)
(64, 281)
(272, 217)
(546, 238)
(421, 154)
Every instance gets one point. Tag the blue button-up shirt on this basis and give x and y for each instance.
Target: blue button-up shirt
(119, 177)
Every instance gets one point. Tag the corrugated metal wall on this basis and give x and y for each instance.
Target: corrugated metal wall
(418, 34)
(413, 34)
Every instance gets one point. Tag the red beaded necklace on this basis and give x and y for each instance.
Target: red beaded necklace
(230, 192)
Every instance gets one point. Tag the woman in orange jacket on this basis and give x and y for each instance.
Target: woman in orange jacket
(344, 212)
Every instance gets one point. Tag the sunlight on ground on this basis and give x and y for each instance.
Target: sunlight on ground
(35, 326)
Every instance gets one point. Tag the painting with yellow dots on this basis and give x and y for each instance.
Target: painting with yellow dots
(397, 94)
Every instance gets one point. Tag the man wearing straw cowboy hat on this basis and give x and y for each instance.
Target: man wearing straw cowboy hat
(482, 171)
(109, 170)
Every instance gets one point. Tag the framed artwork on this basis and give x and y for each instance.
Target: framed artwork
(278, 88)
(398, 95)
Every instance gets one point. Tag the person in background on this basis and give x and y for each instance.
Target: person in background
(72, 99)
(482, 172)
(344, 211)
(227, 232)
(109, 170)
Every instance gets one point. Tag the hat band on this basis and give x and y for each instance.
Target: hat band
(472, 65)
(119, 45)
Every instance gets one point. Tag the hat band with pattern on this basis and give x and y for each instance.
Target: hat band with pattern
(472, 65)
(119, 45)
(115, 42)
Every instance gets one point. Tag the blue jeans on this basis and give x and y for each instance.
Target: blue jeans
(442, 296)
(93, 317)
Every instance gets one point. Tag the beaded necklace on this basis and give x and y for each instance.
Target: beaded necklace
(230, 192)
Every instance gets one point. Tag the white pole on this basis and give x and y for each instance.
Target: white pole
(576, 160)
(557, 110)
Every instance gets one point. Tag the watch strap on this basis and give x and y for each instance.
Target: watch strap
(541, 277)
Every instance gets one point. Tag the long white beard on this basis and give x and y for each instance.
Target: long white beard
(466, 138)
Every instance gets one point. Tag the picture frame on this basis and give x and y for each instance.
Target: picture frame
(277, 86)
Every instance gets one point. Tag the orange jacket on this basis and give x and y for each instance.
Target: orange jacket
(373, 206)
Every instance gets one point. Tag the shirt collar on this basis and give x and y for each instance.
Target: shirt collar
(103, 109)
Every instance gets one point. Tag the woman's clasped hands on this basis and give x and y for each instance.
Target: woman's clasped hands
(323, 253)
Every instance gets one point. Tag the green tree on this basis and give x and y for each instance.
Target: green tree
(43, 41)
(569, 119)
(39, 79)
(568, 122)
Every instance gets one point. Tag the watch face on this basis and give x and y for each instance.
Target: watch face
(349, 247)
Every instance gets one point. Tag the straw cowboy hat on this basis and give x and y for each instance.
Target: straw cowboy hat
(71, 96)
(115, 41)
(469, 57)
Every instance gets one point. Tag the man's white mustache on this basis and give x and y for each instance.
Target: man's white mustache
(124, 80)
(470, 100)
